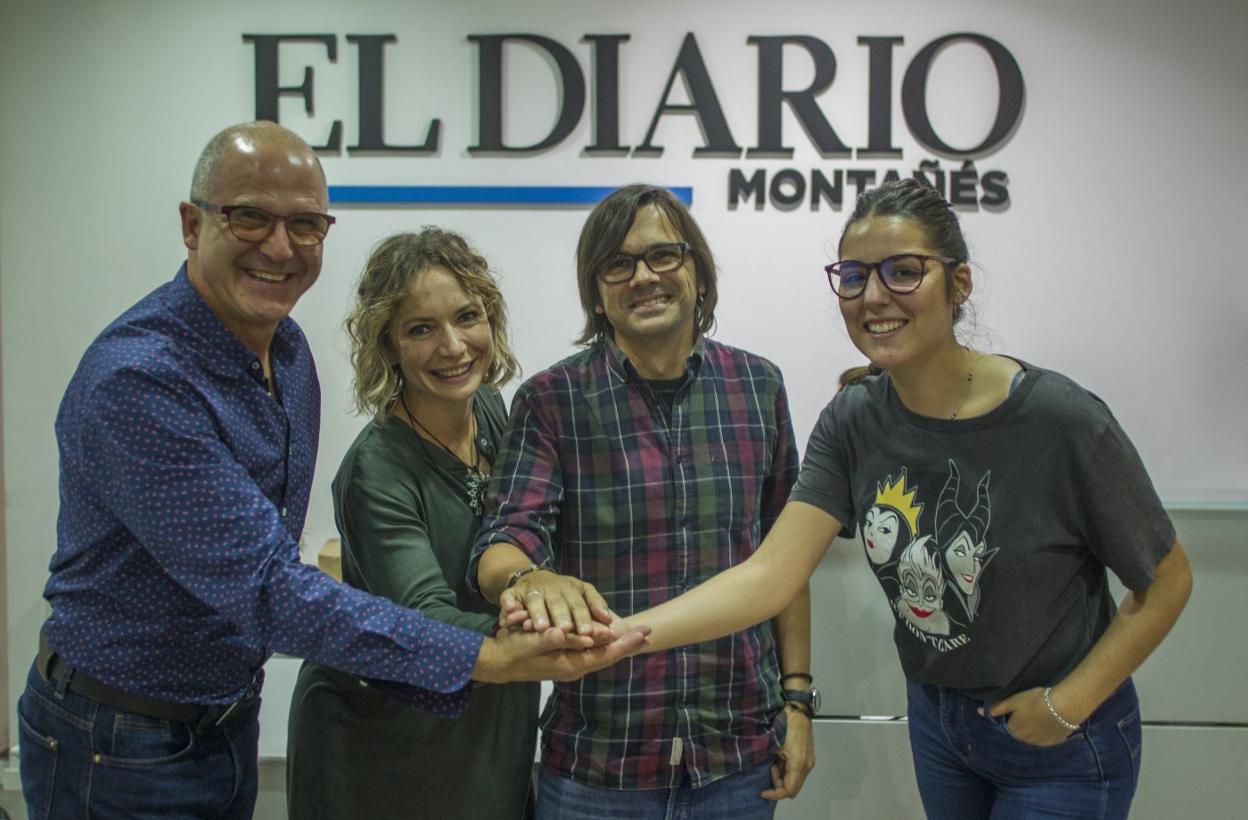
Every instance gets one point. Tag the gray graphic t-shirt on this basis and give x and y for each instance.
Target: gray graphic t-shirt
(990, 536)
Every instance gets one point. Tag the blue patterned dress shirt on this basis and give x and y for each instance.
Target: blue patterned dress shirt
(184, 487)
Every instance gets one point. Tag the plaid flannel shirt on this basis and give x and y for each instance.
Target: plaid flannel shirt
(596, 480)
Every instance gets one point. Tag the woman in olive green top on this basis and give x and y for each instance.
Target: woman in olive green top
(429, 347)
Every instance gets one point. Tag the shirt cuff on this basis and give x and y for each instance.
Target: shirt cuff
(439, 704)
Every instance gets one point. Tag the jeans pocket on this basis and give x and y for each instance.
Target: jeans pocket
(1003, 723)
(48, 713)
(38, 759)
(139, 741)
(1130, 731)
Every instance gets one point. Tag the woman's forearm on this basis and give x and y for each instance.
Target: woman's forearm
(752, 591)
(1143, 620)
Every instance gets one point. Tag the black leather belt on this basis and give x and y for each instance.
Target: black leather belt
(53, 668)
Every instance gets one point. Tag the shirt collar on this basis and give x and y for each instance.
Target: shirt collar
(619, 365)
(223, 352)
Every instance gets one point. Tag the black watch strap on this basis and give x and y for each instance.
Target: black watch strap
(808, 698)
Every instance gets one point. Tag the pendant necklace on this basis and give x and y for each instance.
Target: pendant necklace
(970, 377)
(476, 480)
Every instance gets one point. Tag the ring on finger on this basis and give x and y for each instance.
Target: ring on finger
(537, 592)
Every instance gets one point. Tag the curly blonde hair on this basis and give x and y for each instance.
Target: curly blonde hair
(391, 267)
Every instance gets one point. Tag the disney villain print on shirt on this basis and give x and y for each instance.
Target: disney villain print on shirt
(893, 520)
(933, 579)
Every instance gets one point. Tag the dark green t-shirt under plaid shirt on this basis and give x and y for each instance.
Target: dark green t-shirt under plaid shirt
(596, 479)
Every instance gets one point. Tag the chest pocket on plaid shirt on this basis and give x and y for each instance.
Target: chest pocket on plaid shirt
(730, 479)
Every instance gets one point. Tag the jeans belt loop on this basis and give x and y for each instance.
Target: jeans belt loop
(47, 667)
(240, 705)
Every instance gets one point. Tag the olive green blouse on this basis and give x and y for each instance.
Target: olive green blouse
(401, 506)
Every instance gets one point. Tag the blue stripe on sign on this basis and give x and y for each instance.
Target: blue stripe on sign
(478, 194)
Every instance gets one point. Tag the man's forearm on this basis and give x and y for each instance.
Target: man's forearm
(498, 563)
(792, 628)
(797, 756)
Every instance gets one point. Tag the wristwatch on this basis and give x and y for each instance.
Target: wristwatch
(809, 699)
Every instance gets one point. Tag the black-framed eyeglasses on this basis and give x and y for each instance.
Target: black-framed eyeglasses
(663, 258)
(902, 273)
(252, 224)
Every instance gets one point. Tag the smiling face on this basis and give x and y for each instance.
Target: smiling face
(252, 286)
(965, 560)
(652, 311)
(900, 331)
(440, 338)
(922, 589)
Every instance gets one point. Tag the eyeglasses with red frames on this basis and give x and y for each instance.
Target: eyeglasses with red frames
(252, 224)
(902, 273)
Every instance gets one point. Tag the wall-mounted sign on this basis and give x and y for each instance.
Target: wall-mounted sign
(760, 186)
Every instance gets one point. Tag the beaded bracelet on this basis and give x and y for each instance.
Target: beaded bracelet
(1048, 701)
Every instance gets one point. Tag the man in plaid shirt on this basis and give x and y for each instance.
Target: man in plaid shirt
(632, 471)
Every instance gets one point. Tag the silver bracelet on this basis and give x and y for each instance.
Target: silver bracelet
(520, 573)
(1048, 701)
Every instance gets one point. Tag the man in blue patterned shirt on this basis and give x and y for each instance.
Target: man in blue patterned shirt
(631, 471)
(187, 440)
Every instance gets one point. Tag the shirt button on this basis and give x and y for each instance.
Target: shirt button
(283, 512)
(255, 365)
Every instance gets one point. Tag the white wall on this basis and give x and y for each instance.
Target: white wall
(1119, 260)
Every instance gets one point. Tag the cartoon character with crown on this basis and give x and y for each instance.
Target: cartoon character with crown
(893, 520)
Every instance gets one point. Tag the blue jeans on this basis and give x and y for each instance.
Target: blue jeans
(80, 758)
(968, 765)
(735, 797)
